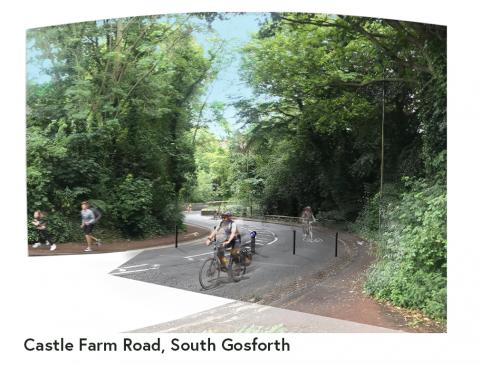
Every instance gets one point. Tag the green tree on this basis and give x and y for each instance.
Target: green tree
(119, 103)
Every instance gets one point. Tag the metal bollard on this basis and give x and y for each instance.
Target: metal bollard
(294, 240)
(336, 244)
(176, 236)
(253, 234)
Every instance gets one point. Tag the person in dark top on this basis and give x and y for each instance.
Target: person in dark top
(41, 226)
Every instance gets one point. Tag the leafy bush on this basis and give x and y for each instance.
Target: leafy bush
(367, 221)
(133, 205)
(411, 270)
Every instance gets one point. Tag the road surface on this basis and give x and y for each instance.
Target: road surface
(275, 272)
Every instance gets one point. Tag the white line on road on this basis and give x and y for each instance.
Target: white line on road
(200, 254)
(275, 240)
(129, 267)
(132, 271)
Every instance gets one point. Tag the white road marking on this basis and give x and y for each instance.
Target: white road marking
(315, 240)
(132, 271)
(129, 267)
(275, 240)
(123, 271)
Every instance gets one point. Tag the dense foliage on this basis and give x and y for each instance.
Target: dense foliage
(112, 122)
(412, 270)
(212, 161)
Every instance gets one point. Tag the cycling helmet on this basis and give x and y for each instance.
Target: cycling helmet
(227, 214)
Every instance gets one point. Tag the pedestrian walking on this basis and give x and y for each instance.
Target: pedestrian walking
(88, 224)
(41, 226)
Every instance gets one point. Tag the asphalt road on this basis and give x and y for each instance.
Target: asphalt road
(274, 266)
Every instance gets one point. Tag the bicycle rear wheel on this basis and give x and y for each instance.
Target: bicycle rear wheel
(209, 273)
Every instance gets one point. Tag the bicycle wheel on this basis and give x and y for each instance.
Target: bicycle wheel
(209, 273)
(237, 269)
(310, 232)
(305, 229)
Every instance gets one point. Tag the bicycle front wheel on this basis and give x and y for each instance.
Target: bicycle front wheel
(209, 273)
(310, 232)
(305, 229)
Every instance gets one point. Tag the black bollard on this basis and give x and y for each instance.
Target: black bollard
(294, 239)
(336, 244)
(176, 236)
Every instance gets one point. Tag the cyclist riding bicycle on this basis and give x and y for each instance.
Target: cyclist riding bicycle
(231, 237)
(307, 218)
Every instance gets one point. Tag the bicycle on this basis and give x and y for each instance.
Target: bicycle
(212, 267)
(307, 229)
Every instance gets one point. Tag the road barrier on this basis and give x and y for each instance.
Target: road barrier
(291, 219)
(283, 218)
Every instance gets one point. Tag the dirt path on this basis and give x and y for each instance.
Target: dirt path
(74, 248)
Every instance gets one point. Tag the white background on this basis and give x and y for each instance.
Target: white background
(49, 298)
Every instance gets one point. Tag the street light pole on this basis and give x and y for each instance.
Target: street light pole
(382, 152)
(249, 184)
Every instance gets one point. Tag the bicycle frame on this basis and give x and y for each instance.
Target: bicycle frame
(307, 228)
(210, 271)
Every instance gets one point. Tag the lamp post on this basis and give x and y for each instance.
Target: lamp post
(244, 149)
(380, 201)
(249, 184)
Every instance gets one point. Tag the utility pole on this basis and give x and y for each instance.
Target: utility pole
(380, 201)
(249, 184)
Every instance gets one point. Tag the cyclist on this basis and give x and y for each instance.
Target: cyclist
(307, 218)
(231, 237)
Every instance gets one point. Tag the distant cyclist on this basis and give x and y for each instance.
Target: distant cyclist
(231, 237)
(307, 218)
